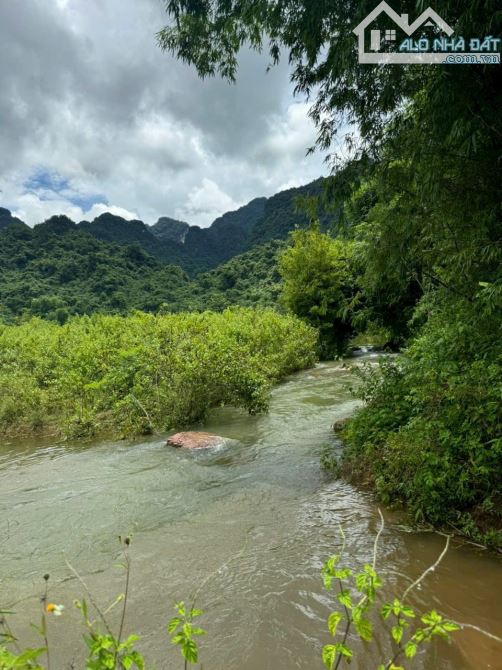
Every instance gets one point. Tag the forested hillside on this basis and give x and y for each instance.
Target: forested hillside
(6, 218)
(59, 269)
(175, 242)
(250, 279)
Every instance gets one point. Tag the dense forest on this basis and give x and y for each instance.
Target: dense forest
(60, 268)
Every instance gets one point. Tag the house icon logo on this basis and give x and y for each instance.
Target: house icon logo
(385, 36)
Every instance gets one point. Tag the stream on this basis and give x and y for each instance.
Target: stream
(252, 523)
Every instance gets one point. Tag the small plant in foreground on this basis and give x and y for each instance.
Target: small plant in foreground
(185, 632)
(357, 596)
(107, 650)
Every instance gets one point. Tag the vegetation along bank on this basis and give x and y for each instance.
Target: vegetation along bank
(144, 372)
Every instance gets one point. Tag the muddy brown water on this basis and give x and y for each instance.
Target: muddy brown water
(259, 515)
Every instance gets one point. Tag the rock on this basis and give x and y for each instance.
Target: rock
(195, 440)
(170, 230)
(339, 425)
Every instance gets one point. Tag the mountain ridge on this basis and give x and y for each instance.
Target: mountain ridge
(193, 248)
(59, 268)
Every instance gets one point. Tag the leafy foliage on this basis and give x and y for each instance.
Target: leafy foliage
(358, 595)
(429, 435)
(183, 631)
(26, 660)
(144, 372)
(319, 286)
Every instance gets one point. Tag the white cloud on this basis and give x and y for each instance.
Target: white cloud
(205, 203)
(124, 123)
(32, 209)
(100, 208)
(289, 132)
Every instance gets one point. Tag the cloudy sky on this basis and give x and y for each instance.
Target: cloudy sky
(94, 117)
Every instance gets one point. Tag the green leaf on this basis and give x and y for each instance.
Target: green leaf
(328, 571)
(410, 649)
(364, 629)
(345, 599)
(138, 659)
(327, 581)
(407, 611)
(343, 650)
(386, 610)
(180, 606)
(29, 655)
(329, 655)
(189, 651)
(432, 618)
(333, 621)
(179, 638)
(343, 573)
(173, 624)
(131, 640)
(397, 633)
(331, 563)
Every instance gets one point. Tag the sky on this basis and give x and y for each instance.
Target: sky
(94, 117)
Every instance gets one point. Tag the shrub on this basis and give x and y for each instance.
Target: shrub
(429, 433)
(144, 372)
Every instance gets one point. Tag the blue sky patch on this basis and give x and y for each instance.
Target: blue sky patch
(49, 185)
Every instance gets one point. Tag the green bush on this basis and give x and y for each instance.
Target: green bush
(144, 372)
(429, 434)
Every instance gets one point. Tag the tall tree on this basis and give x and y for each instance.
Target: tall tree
(319, 285)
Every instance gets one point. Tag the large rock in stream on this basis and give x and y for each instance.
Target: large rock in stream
(194, 439)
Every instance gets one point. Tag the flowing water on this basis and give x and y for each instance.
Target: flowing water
(258, 516)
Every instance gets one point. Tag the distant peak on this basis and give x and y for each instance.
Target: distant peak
(170, 230)
(6, 218)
